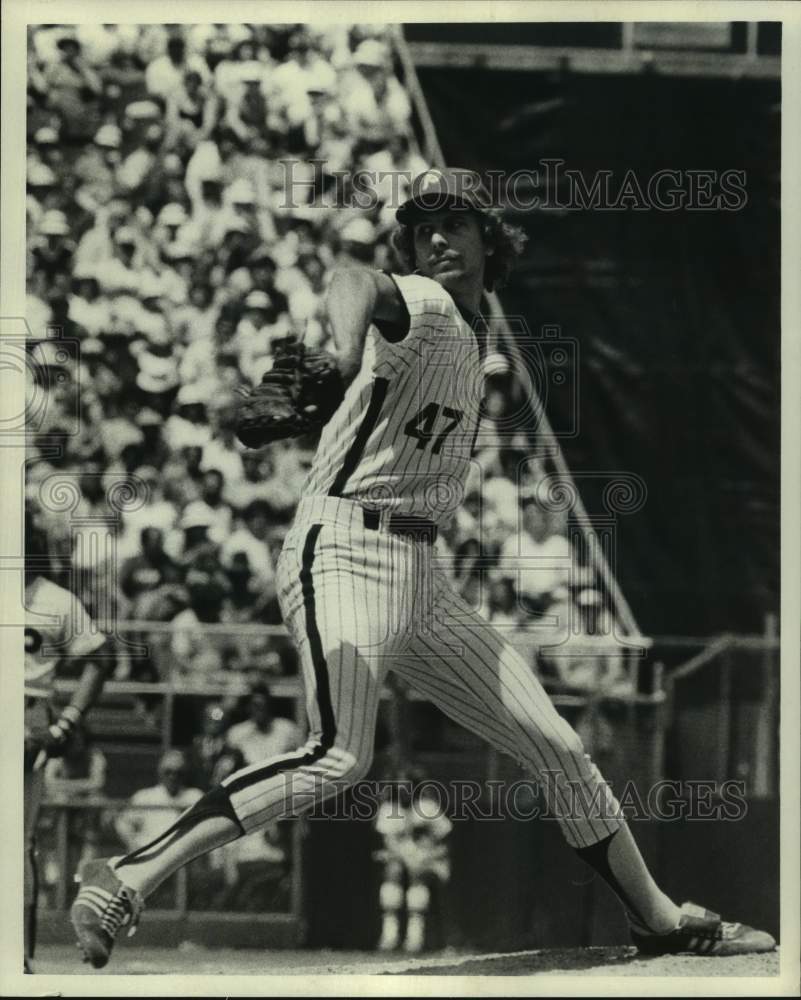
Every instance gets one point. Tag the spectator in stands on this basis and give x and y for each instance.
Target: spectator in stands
(247, 113)
(248, 594)
(542, 557)
(199, 656)
(86, 306)
(259, 482)
(504, 609)
(242, 202)
(97, 243)
(96, 167)
(76, 778)
(589, 661)
(196, 521)
(191, 113)
(188, 426)
(500, 493)
(73, 91)
(357, 243)
(224, 452)
(251, 538)
(151, 810)
(123, 77)
(216, 42)
(165, 74)
(263, 271)
(290, 82)
(140, 174)
(257, 332)
(263, 735)
(158, 512)
(209, 746)
(211, 493)
(146, 574)
(78, 774)
(375, 102)
(53, 251)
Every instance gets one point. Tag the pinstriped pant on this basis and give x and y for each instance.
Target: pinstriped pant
(361, 602)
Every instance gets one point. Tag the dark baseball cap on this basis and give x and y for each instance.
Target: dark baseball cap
(447, 188)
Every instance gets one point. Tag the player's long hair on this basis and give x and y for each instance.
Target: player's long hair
(506, 240)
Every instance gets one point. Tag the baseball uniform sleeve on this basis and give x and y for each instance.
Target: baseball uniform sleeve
(428, 305)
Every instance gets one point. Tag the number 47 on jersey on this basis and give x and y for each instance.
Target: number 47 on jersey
(421, 426)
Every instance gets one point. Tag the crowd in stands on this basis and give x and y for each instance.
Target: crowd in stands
(188, 198)
(233, 734)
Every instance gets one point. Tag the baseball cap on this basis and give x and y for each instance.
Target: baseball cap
(359, 231)
(148, 473)
(109, 135)
(258, 300)
(236, 225)
(148, 417)
(371, 52)
(125, 235)
(150, 286)
(435, 189)
(46, 136)
(241, 192)
(54, 223)
(173, 761)
(92, 346)
(197, 514)
(318, 81)
(173, 214)
(251, 71)
(180, 250)
(261, 255)
(143, 110)
(40, 175)
(190, 394)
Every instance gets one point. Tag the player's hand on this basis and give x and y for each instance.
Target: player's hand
(55, 739)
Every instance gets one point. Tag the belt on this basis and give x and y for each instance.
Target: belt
(418, 528)
(352, 513)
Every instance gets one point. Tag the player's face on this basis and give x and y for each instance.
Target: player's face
(449, 247)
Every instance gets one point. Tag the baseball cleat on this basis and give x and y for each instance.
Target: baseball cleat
(103, 905)
(701, 932)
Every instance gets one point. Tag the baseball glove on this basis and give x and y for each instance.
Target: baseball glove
(298, 395)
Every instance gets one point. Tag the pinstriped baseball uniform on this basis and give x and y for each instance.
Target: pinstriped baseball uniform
(361, 595)
(56, 626)
(402, 438)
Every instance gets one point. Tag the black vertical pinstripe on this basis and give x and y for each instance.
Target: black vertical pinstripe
(380, 386)
(322, 686)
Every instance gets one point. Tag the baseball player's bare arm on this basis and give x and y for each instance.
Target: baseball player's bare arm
(356, 298)
(96, 667)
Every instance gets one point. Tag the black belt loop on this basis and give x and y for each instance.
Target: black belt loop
(402, 524)
(372, 519)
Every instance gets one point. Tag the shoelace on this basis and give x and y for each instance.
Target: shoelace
(123, 909)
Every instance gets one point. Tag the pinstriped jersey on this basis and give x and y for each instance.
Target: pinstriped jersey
(404, 433)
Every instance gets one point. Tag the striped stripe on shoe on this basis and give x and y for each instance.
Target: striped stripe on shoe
(702, 932)
(103, 905)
